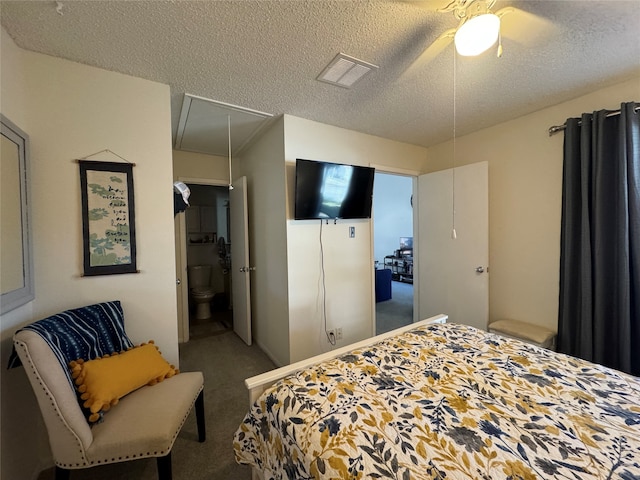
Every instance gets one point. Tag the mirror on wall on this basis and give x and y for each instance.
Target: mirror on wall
(16, 274)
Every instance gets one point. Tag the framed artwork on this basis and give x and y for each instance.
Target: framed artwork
(108, 217)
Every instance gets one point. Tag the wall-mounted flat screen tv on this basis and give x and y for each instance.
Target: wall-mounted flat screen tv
(332, 190)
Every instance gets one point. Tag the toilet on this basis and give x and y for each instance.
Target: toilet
(200, 289)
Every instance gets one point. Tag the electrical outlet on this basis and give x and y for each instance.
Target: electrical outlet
(334, 335)
(352, 232)
(331, 336)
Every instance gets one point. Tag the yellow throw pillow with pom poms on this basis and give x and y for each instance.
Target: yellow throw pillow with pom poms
(102, 382)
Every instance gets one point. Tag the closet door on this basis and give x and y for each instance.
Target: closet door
(454, 277)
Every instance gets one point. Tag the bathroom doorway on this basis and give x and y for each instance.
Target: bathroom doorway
(208, 254)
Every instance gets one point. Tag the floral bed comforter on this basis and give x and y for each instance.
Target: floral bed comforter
(447, 402)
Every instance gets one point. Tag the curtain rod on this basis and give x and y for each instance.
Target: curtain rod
(558, 128)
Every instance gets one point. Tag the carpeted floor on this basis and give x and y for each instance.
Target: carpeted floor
(225, 361)
(396, 312)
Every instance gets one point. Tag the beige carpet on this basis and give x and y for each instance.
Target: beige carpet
(396, 312)
(225, 361)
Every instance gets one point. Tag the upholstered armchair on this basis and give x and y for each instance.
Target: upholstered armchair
(143, 423)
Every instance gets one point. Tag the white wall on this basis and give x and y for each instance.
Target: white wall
(191, 166)
(348, 262)
(263, 165)
(20, 423)
(71, 111)
(525, 199)
(392, 213)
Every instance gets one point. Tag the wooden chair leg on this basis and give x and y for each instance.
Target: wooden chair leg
(164, 467)
(202, 431)
(61, 473)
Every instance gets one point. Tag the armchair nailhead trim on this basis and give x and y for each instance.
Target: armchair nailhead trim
(87, 463)
(23, 346)
(161, 453)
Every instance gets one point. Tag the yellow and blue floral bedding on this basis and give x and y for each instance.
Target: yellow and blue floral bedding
(447, 402)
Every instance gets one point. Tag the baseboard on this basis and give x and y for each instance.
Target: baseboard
(266, 351)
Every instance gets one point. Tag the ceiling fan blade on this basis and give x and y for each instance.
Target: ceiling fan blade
(431, 5)
(431, 52)
(524, 27)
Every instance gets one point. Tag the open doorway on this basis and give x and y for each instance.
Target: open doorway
(393, 250)
(208, 255)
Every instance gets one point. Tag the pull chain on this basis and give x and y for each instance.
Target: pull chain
(454, 234)
(229, 139)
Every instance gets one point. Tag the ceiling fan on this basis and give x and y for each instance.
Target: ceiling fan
(479, 28)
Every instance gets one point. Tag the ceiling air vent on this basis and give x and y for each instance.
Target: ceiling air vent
(344, 71)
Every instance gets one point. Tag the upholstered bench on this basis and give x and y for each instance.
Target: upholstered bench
(527, 332)
(141, 423)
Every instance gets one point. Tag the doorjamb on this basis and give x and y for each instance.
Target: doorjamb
(183, 322)
(414, 174)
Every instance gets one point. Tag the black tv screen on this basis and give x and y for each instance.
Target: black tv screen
(332, 190)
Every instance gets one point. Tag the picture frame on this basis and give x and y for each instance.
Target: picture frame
(108, 218)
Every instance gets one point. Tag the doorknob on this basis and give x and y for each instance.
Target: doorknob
(479, 270)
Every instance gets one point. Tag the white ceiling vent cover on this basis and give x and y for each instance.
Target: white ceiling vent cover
(344, 71)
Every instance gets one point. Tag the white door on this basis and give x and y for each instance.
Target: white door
(182, 284)
(240, 270)
(453, 272)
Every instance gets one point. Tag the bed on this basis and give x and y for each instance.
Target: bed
(442, 401)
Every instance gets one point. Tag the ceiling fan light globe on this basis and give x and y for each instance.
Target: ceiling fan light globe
(477, 34)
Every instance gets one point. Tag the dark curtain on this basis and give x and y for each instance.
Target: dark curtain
(599, 308)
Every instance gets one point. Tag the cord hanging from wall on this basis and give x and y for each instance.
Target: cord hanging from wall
(330, 334)
(229, 139)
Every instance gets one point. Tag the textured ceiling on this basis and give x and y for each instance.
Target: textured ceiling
(266, 55)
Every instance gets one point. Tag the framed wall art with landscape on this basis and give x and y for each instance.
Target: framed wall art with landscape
(108, 217)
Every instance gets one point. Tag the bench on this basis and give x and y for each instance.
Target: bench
(142, 423)
(527, 332)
